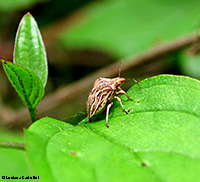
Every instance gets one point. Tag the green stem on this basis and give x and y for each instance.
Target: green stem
(13, 145)
(33, 114)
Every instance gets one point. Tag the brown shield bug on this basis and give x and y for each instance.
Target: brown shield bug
(102, 94)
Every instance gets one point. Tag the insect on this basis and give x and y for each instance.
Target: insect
(102, 94)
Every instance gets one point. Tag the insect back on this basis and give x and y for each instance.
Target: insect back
(102, 94)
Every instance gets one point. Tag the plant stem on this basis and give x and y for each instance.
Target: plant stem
(33, 114)
(13, 145)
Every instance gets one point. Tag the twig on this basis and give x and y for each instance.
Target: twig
(62, 95)
(13, 145)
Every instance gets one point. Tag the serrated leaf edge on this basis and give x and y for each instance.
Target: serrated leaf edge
(25, 96)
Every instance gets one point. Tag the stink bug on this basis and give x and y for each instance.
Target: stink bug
(102, 94)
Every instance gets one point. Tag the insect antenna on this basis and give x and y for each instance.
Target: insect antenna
(120, 68)
(135, 81)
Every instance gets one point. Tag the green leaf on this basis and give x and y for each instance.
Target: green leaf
(26, 83)
(77, 154)
(13, 162)
(13, 5)
(29, 48)
(37, 142)
(158, 140)
(190, 64)
(125, 28)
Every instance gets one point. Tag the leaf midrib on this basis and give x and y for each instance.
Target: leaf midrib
(132, 151)
(45, 154)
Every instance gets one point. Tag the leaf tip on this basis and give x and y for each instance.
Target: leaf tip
(3, 61)
(28, 14)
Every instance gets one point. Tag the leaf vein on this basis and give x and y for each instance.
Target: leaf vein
(138, 158)
(22, 86)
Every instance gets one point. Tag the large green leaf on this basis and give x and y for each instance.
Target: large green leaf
(37, 143)
(124, 28)
(158, 140)
(26, 83)
(29, 48)
(77, 154)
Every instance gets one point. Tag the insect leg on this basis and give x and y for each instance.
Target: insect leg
(136, 82)
(88, 121)
(121, 104)
(107, 112)
(123, 92)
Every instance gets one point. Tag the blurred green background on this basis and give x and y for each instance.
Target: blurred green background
(83, 36)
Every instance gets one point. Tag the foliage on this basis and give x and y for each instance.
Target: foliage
(126, 28)
(29, 48)
(158, 140)
(7, 6)
(30, 75)
(13, 162)
(26, 83)
(190, 64)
